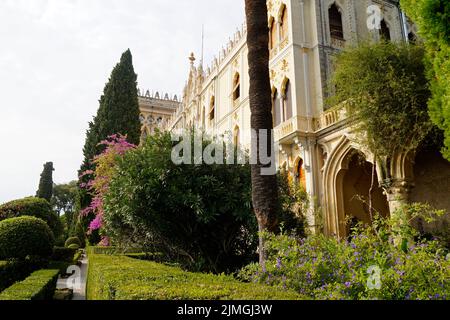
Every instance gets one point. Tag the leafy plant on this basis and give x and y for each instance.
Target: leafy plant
(369, 265)
(385, 86)
(432, 19)
(198, 214)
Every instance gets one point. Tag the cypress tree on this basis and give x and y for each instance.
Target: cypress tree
(118, 113)
(45, 190)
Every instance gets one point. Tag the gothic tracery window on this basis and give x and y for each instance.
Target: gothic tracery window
(212, 108)
(287, 102)
(236, 87)
(273, 38)
(276, 108)
(336, 25)
(284, 25)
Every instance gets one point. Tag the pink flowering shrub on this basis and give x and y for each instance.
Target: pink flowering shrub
(116, 146)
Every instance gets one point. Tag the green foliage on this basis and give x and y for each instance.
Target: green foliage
(12, 271)
(294, 205)
(72, 240)
(35, 207)
(79, 232)
(118, 114)
(40, 285)
(25, 236)
(198, 214)
(145, 280)
(432, 18)
(326, 268)
(64, 202)
(384, 85)
(45, 190)
(63, 254)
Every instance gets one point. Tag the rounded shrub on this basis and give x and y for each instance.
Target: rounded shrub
(25, 237)
(34, 207)
(71, 241)
(74, 246)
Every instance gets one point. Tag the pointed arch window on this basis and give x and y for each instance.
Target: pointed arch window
(284, 24)
(287, 101)
(237, 136)
(236, 87)
(300, 174)
(212, 108)
(203, 117)
(273, 37)
(276, 108)
(336, 25)
(385, 33)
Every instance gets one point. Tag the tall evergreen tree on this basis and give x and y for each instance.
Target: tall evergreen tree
(118, 114)
(45, 190)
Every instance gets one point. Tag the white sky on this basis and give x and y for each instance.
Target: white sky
(56, 56)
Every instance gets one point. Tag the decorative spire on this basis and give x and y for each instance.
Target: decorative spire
(192, 59)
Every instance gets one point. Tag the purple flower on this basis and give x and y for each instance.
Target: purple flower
(279, 264)
(348, 284)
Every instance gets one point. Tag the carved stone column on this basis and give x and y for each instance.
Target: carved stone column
(398, 195)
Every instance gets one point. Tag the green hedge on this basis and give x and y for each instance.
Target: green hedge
(123, 278)
(40, 285)
(13, 271)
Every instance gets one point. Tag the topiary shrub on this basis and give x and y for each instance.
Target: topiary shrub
(73, 240)
(25, 237)
(34, 207)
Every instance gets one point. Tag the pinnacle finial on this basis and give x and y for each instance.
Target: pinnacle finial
(192, 58)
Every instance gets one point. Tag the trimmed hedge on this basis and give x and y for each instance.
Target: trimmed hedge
(34, 207)
(25, 236)
(123, 278)
(13, 271)
(41, 285)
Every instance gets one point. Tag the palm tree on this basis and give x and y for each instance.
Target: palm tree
(264, 187)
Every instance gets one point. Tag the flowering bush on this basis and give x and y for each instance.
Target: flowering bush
(369, 265)
(115, 146)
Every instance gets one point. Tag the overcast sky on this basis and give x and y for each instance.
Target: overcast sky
(56, 55)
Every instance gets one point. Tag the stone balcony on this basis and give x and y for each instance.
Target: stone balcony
(330, 117)
(295, 126)
(290, 127)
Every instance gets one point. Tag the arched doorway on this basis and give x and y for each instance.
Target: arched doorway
(353, 185)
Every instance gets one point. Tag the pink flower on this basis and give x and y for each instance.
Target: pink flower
(105, 242)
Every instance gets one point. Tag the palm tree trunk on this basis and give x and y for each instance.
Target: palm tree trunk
(372, 188)
(264, 187)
